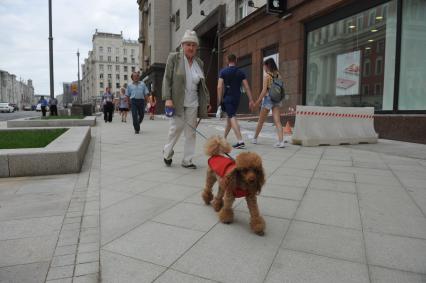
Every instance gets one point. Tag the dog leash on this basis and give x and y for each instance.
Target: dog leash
(198, 132)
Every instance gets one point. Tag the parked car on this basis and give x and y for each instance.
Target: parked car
(27, 108)
(38, 108)
(5, 107)
(15, 107)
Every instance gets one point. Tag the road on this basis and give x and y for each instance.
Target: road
(18, 114)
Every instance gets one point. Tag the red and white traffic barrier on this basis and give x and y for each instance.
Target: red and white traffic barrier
(316, 125)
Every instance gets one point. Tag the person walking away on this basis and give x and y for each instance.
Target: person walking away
(53, 106)
(153, 104)
(123, 105)
(137, 91)
(228, 96)
(185, 90)
(108, 99)
(271, 72)
(43, 104)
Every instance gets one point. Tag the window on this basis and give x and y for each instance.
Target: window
(343, 70)
(125, 68)
(125, 59)
(117, 76)
(149, 14)
(101, 84)
(412, 80)
(101, 58)
(133, 60)
(377, 89)
(109, 76)
(117, 85)
(117, 59)
(117, 68)
(109, 49)
(125, 77)
(188, 8)
(132, 52)
(109, 67)
(366, 71)
(101, 75)
(379, 66)
(133, 69)
(101, 67)
(177, 19)
(241, 9)
(125, 51)
(109, 58)
(101, 49)
(101, 93)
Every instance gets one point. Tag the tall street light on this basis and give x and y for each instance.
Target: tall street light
(52, 89)
(78, 75)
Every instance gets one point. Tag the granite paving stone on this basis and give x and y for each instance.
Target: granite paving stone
(178, 277)
(25, 273)
(385, 275)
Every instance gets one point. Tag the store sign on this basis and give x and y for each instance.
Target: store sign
(276, 7)
(347, 73)
(74, 89)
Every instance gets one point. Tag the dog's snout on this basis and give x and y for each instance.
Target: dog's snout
(251, 176)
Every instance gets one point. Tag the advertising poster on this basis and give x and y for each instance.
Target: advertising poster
(347, 73)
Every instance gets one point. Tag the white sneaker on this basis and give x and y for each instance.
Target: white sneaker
(254, 141)
(279, 144)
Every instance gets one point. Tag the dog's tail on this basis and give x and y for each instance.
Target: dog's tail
(216, 145)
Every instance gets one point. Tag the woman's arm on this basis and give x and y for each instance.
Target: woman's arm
(264, 90)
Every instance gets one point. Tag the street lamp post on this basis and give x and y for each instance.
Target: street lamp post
(52, 90)
(78, 76)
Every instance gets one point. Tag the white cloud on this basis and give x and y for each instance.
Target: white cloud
(24, 30)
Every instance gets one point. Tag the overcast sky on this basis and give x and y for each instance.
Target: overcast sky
(24, 32)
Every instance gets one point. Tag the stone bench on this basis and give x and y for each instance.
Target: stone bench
(36, 122)
(64, 155)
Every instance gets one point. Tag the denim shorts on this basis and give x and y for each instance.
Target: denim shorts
(268, 104)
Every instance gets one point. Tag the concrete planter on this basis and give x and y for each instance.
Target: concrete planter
(28, 122)
(62, 156)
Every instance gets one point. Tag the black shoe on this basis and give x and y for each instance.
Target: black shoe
(168, 162)
(189, 166)
(136, 132)
(239, 145)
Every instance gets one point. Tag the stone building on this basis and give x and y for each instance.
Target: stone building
(163, 23)
(109, 63)
(15, 91)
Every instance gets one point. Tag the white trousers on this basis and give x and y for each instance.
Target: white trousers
(177, 125)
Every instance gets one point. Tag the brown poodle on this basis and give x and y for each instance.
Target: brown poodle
(243, 177)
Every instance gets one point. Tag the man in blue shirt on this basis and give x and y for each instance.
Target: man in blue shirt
(137, 91)
(228, 96)
(43, 104)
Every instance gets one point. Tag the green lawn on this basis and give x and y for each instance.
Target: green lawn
(61, 117)
(28, 138)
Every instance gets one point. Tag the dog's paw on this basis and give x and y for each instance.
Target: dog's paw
(207, 197)
(226, 216)
(217, 204)
(257, 224)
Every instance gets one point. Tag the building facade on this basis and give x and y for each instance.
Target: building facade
(163, 23)
(344, 53)
(109, 64)
(15, 91)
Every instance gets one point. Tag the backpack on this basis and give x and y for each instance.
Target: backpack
(276, 91)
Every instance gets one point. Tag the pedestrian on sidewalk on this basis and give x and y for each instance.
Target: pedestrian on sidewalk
(271, 72)
(43, 105)
(152, 105)
(228, 96)
(123, 105)
(137, 91)
(185, 90)
(107, 101)
(53, 106)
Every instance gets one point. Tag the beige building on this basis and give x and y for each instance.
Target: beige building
(109, 64)
(15, 91)
(163, 23)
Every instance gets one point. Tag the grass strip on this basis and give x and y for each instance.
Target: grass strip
(28, 138)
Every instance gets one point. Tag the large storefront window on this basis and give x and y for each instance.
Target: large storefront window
(351, 62)
(412, 80)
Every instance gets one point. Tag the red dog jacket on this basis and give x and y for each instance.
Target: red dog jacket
(222, 165)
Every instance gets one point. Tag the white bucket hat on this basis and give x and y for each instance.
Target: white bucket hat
(190, 36)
